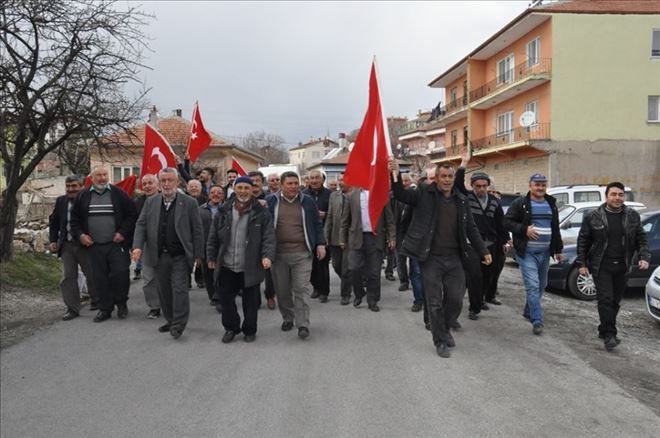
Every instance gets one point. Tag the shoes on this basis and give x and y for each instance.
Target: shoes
(69, 315)
(443, 350)
(455, 325)
(345, 301)
(473, 316)
(315, 294)
(427, 326)
(450, 341)
(229, 336)
(374, 308)
(271, 303)
(200, 285)
(357, 301)
(249, 338)
(416, 307)
(165, 328)
(138, 275)
(617, 340)
(323, 299)
(93, 306)
(153, 314)
(102, 316)
(611, 343)
(403, 287)
(303, 333)
(176, 332)
(526, 316)
(390, 277)
(122, 311)
(538, 329)
(287, 325)
(214, 302)
(218, 308)
(494, 301)
(484, 306)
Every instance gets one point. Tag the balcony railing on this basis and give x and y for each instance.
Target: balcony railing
(450, 108)
(540, 131)
(521, 71)
(453, 150)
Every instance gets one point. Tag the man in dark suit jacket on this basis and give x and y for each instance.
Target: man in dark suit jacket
(103, 220)
(366, 244)
(207, 212)
(169, 231)
(69, 249)
(332, 229)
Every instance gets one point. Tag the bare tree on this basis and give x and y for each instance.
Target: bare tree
(269, 146)
(63, 72)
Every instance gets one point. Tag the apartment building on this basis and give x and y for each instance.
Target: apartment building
(569, 89)
(312, 152)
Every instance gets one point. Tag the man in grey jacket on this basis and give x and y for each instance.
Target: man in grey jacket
(169, 231)
(241, 246)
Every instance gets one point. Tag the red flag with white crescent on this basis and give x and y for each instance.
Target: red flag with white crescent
(236, 165)
(200, 139)
(158, 153)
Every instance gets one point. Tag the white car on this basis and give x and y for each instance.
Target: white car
(571, 215)
(579, 193)
(653, 295)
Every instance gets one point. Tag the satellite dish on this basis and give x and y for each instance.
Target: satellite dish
(528, 118)
(398, 146)
(431, 145)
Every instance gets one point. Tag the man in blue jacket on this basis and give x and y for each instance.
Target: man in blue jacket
(299, 237)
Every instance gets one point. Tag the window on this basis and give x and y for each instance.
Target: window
(465, 135)
(562, 198)
(533, 52)
(654, 109)
(316, 154)
(586, 196)
(655, 43)
(576, 220)
(505, 126)
(454, 138)
(505, 70)
(533, 107)
(453, 95)
(121, 172)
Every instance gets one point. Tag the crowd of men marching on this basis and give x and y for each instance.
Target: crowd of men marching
(442, 237)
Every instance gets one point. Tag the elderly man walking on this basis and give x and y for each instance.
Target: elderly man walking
(299, 236)
(320, 276)
(240, 248)
(149, 188)
(169, 236)
(338, 202)
(103, 220)
(70, 250)
(207, 212)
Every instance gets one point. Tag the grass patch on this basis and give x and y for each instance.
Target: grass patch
(32, 271)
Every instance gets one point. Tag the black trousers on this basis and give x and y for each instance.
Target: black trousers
(340, 266)
(110, 264)
(320, 277)
(229, 284)
(491, 274)
(610, 285)
(444, 289)
(391, 261)
(208, 281)
(401, 266)
(199, 275)
(474, 278)
(269, 291)
(172, 276)
(366, 262)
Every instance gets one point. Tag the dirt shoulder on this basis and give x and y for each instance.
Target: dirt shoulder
(23, 312)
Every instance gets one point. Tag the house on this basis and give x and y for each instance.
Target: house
(311, 152)
(123, 156)
(420, 140)
(569, 89)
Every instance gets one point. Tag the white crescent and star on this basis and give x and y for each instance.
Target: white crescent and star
(163, 161)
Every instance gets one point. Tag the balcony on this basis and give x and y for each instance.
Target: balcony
(512, 83)
(512, 139)
(454, 110)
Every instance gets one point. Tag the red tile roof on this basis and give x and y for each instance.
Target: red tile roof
(603, 7)
(176, 131)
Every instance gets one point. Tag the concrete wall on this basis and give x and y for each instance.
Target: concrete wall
(513, 176)
(602, 77)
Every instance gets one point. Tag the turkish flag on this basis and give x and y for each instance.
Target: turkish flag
(367, 162)
(238, 167)
(200, 139)
(158, 153)
(127, 184)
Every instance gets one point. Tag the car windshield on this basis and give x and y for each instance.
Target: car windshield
(565, 211)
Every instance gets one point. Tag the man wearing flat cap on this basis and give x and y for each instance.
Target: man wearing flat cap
(534, 222)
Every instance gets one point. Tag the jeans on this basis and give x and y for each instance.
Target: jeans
(534, 270)
(415, 275)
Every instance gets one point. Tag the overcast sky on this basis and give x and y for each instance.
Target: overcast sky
(301, 69)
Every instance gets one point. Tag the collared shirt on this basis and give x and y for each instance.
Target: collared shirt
(69, 206)
(290, 201)
(364, 211)
(168, 201)
(92, 188)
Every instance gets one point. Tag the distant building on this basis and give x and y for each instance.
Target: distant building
(311, 152)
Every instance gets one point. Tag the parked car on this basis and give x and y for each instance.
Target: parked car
(578, 193)
(571, 215)
(565, 275)
(507, 198)
(653, 295)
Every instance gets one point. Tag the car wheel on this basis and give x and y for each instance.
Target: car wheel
(581, 286)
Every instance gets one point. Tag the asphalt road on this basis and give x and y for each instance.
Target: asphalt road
(359, 374)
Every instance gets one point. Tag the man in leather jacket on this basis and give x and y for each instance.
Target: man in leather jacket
(608, 239)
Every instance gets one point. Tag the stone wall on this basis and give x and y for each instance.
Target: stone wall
(31, 237)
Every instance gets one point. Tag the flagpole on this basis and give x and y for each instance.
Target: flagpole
(395, 176)
(191, 126)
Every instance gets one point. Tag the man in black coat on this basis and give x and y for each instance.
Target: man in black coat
(70, 250)
(320, 268)
(441, 224)
(103, 220)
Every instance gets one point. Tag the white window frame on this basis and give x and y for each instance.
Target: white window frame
(657, 49)
(501, 133)
(453, 96)
(657, 109)
(454, 137)
(508, 75)
(536, 58)
(125, 172)
(533, 106)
